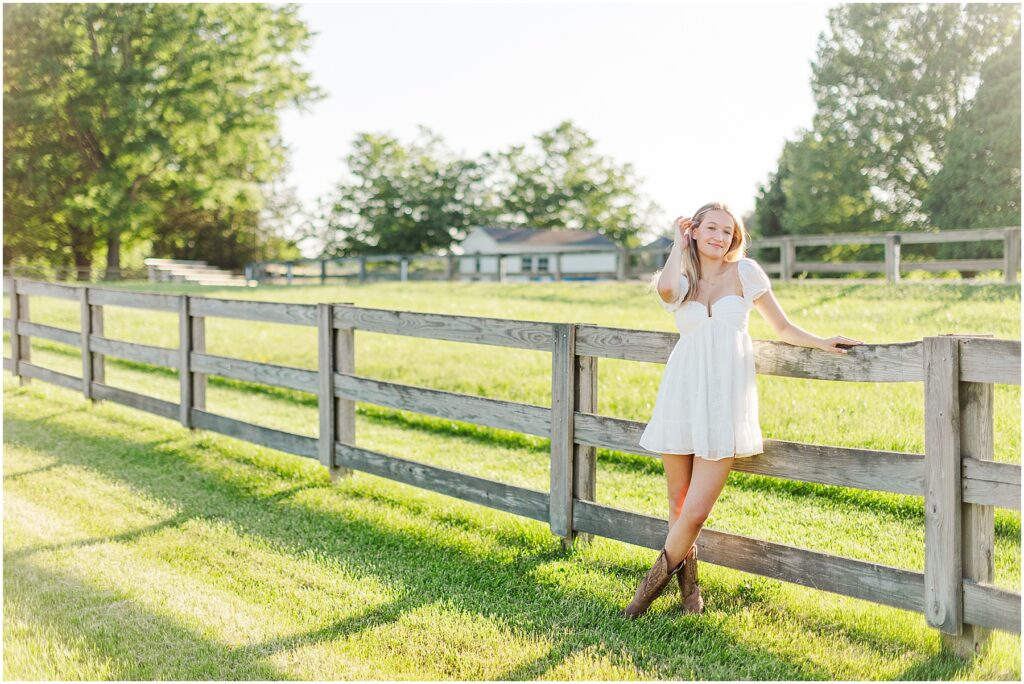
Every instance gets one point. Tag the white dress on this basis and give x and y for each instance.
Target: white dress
(707, 400)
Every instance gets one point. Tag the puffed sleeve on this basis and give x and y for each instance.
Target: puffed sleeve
(684, 286)
(755, 280)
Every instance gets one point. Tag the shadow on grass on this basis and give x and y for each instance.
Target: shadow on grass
(61, 604)
(662, 643)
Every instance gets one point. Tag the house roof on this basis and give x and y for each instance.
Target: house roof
(547, 236)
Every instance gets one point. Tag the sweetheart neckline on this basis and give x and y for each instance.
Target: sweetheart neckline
(707, 307)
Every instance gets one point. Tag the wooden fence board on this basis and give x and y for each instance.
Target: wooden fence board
(133, 299)
(30, 370)
(847, 576)
(160, 407)
(268, 312)
(475, 329)
(133, 351)
(51, 332)
(497, 413)
(511, 499)
(289, 442)
(288, 377)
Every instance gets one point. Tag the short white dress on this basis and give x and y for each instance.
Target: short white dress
(707, 400)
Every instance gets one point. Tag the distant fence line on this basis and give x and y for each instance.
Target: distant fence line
(957, 476)
(641, 261)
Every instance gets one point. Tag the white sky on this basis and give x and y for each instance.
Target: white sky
(699, 97)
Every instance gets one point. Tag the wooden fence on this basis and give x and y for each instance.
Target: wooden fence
(957, 476)
(642, 261)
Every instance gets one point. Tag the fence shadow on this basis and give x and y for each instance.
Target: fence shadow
(389, 554)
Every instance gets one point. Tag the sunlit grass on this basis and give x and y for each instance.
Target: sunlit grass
(137, 549)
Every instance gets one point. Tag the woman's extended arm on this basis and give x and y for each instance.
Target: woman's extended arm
(790, 333)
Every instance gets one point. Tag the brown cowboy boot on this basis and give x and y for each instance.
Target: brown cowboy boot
(689, 590)
(651, 586)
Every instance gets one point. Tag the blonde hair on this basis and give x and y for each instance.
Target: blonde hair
(690, 261)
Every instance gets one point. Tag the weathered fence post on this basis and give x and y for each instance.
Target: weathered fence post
(563, 391)
(943, 573)
(198, 345)
(337, 419)
(1011, 255)
(323, 271)
(450, 272)
(85, 321)
(99, 365)
(362, 268)
(21, 345)
(787, 259)
(892, 257)
(184, 361)
(977, 441)
(585, 457)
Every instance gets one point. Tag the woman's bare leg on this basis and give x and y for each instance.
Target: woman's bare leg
(678, 468)
(706, 483)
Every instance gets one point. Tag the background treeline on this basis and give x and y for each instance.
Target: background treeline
(917, 126)
(152, 129)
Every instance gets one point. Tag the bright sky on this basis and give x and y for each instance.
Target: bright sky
(699, 97)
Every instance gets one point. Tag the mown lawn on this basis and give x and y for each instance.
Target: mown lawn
(136, 549)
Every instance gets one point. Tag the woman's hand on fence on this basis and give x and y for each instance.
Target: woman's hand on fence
(838, 345)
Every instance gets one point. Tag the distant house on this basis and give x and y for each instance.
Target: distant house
(535, 250)
(663, 244)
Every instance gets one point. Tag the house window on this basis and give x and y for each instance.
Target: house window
(542, 264)
(477, 260)
(527, 265)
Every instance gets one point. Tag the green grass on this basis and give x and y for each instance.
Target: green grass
(135, 549)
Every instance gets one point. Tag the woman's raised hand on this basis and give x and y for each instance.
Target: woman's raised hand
(682, 231)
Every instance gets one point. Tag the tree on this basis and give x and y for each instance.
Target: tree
(114, 112)
(565, 183)
(421, 198)
(889, 79)
(399, 199)
(979, 185)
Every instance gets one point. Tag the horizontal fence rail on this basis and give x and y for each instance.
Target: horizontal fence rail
(956, 476)
(623, 263)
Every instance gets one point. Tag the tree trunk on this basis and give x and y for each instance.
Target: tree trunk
(113, 257)
(82, 248)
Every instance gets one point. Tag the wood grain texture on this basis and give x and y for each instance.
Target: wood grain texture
(942, 500)
(861, 579)
(30, 370)
(184, 366)
(159, 407)
(133, 299)
(476, 329)
(50, 332)
(563, 390)
(497, 413)
(85, 323)
(509, 498)
(45, 289)
(289, 442)
(270, 312)
(289, 377)
(133, 351)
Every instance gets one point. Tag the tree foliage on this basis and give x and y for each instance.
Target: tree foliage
(422, 198)
(979, 185)
(120, 119)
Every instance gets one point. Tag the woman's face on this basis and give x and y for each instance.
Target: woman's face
(714, 234)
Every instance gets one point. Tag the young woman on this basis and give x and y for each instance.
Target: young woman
(706, 412)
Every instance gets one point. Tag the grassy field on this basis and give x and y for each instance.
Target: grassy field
(136, 549)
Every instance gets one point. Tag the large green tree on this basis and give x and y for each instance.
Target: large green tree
(421, 197)
(979, 185)
(889, 80)
(119, 116)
